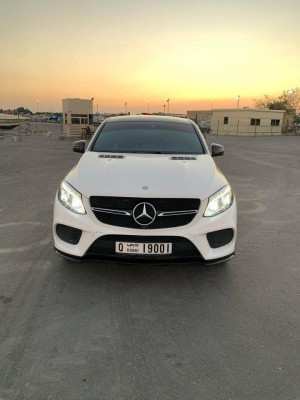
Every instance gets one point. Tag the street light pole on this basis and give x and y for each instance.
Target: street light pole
(168, 101)
(38, 106)
(164, 108)
(238, 101)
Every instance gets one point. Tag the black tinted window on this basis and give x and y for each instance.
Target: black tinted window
(148, 137)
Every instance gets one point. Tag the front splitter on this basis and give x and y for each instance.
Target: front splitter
(144, 260)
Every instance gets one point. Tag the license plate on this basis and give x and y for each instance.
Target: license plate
(143, 248)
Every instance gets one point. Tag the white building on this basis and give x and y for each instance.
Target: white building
(77, 115)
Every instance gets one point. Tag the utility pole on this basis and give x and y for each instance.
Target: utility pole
(168, 101)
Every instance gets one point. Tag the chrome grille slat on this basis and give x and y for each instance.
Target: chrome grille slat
(171, 213)
(159, 213)
(111, 211)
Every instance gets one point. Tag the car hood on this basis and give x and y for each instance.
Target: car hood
(146, 175)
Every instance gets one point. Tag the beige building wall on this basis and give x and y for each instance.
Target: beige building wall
(239, 122)
(200, 115)
(77, 114)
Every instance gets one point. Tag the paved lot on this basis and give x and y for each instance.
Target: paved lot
(174, 332)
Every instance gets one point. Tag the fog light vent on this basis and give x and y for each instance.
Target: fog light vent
(68, 234)
(220, 238)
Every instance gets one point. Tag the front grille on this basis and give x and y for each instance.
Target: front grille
(68, 234)
(220, 238)
(105, 246)
(129, 203)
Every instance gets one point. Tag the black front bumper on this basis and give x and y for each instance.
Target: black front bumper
(134, 259)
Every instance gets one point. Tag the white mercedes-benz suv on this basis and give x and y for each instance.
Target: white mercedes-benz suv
(146, 188)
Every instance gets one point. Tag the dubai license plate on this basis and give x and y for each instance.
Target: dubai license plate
(143, 248)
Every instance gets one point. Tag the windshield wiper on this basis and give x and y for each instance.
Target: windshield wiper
(132, 151)
(108, 151)
(148, 152)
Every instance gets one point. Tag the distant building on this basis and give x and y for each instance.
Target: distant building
(77, 115)
(247, 121)
(241, 121)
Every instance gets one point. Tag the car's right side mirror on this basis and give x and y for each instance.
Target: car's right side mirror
(217, 150)
(79, 146)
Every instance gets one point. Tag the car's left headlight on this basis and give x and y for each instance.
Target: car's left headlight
(219, 202)
(70, 198)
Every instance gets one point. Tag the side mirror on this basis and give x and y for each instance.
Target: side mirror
(217, 150)
(79, 146)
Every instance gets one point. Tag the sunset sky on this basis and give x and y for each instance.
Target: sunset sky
(136, 51)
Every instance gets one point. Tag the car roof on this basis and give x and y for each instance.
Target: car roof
(148, 118)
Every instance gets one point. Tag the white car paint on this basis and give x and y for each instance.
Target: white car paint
(163, 177)
(197, 178)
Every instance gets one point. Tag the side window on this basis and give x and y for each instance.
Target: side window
(275, 122)
(255, 121)
(225, 120)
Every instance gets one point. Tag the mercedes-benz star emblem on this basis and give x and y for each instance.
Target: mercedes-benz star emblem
(144, 214)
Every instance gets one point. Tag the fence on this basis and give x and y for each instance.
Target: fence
(242, 129)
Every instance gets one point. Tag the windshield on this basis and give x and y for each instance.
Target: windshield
(148, 137)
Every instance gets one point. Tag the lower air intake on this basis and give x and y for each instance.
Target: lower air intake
(220, 238)
(68, 234)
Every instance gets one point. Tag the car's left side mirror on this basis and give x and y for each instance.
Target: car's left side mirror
(217, 150)
(79, 146)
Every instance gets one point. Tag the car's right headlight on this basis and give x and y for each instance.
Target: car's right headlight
(70, 198)
(219, 202)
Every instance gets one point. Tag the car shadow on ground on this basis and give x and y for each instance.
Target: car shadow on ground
(162, 278)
